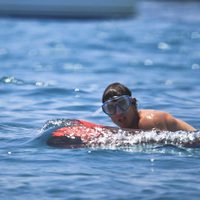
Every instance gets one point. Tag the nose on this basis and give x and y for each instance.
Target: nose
(118, 113)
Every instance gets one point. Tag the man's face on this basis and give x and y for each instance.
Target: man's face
(126, 119)
(122, 111)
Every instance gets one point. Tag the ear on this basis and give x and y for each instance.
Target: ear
(133, 101)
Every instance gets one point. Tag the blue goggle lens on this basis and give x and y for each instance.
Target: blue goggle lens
(122, 102)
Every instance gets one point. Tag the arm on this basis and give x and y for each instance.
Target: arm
(174, 124)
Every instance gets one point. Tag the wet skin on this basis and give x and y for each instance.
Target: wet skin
(148, 120)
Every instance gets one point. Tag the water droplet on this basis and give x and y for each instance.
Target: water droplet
(163, 46)
(195, 66)
(38, 83)
(152, 159)
(148, 62)
(168, 82)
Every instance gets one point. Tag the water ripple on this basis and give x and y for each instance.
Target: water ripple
(15, 81)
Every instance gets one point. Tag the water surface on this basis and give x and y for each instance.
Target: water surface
(53, 69)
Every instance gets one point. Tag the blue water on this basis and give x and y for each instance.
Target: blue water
(53, 69)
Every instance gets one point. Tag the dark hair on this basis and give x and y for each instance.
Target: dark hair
(115, 89)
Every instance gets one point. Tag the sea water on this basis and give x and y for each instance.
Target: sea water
(58, 69)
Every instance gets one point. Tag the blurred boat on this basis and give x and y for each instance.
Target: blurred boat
(67, 8)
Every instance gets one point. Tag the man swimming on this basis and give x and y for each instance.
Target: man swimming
(121, 107)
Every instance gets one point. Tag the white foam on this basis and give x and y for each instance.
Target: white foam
(125, 138)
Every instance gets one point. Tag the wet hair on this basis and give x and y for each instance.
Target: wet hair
(117, 89)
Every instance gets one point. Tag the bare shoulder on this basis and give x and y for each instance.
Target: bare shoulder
(153, 114)
(150, 119)
(175, 124)
(163, 121)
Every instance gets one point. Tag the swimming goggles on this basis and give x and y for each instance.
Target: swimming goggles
(121, 102)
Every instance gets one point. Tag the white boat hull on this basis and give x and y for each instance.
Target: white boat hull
(67, 8)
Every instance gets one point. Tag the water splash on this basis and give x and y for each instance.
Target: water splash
(124, 138)
(16, 81)
(58, 123)
(11, 80)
